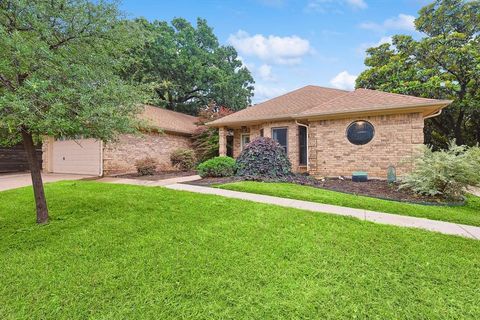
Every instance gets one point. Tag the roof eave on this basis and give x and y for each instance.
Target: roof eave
(374, 111)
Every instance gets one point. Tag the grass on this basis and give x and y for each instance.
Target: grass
(131, 252)
(467, 214)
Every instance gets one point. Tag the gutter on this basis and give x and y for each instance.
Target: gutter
(436, 113)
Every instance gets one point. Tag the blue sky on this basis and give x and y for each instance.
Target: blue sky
(287, 44)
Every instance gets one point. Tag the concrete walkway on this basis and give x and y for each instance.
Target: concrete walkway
(18, 180)
(378, 217)
(149, 183)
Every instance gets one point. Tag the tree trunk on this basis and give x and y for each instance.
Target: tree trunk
(35, 171)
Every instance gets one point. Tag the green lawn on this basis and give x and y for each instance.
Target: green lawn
(131, 252)
(467, 214)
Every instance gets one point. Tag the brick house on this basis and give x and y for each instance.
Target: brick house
(331, 132)
(165, 132)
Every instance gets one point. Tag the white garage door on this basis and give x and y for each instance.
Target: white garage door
(81, 156)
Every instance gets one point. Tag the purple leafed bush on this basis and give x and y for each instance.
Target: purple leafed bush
(263, 159)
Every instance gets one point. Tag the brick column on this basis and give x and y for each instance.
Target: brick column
(222, 141)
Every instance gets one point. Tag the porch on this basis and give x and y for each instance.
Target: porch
(291, 135)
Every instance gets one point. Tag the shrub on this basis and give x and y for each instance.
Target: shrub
(445, 173)
(263, 159)
(146, 166)
(217, 167)
(183, 159)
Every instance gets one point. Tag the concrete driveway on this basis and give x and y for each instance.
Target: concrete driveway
(17, 180)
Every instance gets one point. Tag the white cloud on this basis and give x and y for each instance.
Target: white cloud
(358, 4)
(263, 92)
(364, 46)
(324, 6)
(265, 72)
(401, 22)
(344, 80)
(275, 49)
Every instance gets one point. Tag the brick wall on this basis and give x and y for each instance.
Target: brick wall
(120, 156)
(254, 131)
(396, 138)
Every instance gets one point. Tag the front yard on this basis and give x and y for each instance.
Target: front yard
(129, 252)
(466, 214)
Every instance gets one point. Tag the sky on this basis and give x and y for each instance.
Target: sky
(287, 44)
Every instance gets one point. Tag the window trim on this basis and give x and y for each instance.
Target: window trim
(306, 145)
(242, 145)
(287, 147)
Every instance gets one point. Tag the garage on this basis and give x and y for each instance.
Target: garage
(79, 156)
(14, 159)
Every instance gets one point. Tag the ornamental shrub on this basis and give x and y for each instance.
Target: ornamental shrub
(217, 167)
(146, 166)
(263, 159)
(183, 159)
(445, 173)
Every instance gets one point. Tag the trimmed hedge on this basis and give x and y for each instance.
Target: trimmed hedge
(263, 159)
(217, 167)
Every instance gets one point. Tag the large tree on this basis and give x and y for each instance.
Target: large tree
(58, 75)
(185, 68)
(444, 63)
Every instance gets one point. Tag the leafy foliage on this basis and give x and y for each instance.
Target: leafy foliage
(447, 173)
(58, 70)
(146, 166)
(444, 64)
(186, 68)
(183, 159)
(205, 139)
(217, 167)
(263, 158)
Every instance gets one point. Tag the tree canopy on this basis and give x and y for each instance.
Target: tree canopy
(444, 64)
(59, 65)
(185, 68)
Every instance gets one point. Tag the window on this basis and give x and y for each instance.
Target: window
(360, 132)
(302, 145)
(280, 135)
(245, 140)
(261, 132)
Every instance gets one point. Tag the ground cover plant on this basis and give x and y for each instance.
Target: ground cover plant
(130, 252)
(466, 214)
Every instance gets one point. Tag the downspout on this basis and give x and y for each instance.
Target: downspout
(308, 151)
(436, 113)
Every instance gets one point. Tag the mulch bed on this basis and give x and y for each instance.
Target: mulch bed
(160, 175)
(372, 188)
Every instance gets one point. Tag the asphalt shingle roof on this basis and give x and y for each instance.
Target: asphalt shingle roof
(316, 101)
(169, 120)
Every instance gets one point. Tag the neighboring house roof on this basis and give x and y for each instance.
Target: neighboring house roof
(168, 120)
(314, 101)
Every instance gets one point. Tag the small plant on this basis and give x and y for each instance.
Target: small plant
(146, 166)
(217, 167)
(263, 159)
(183, 159)
(445, 173)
